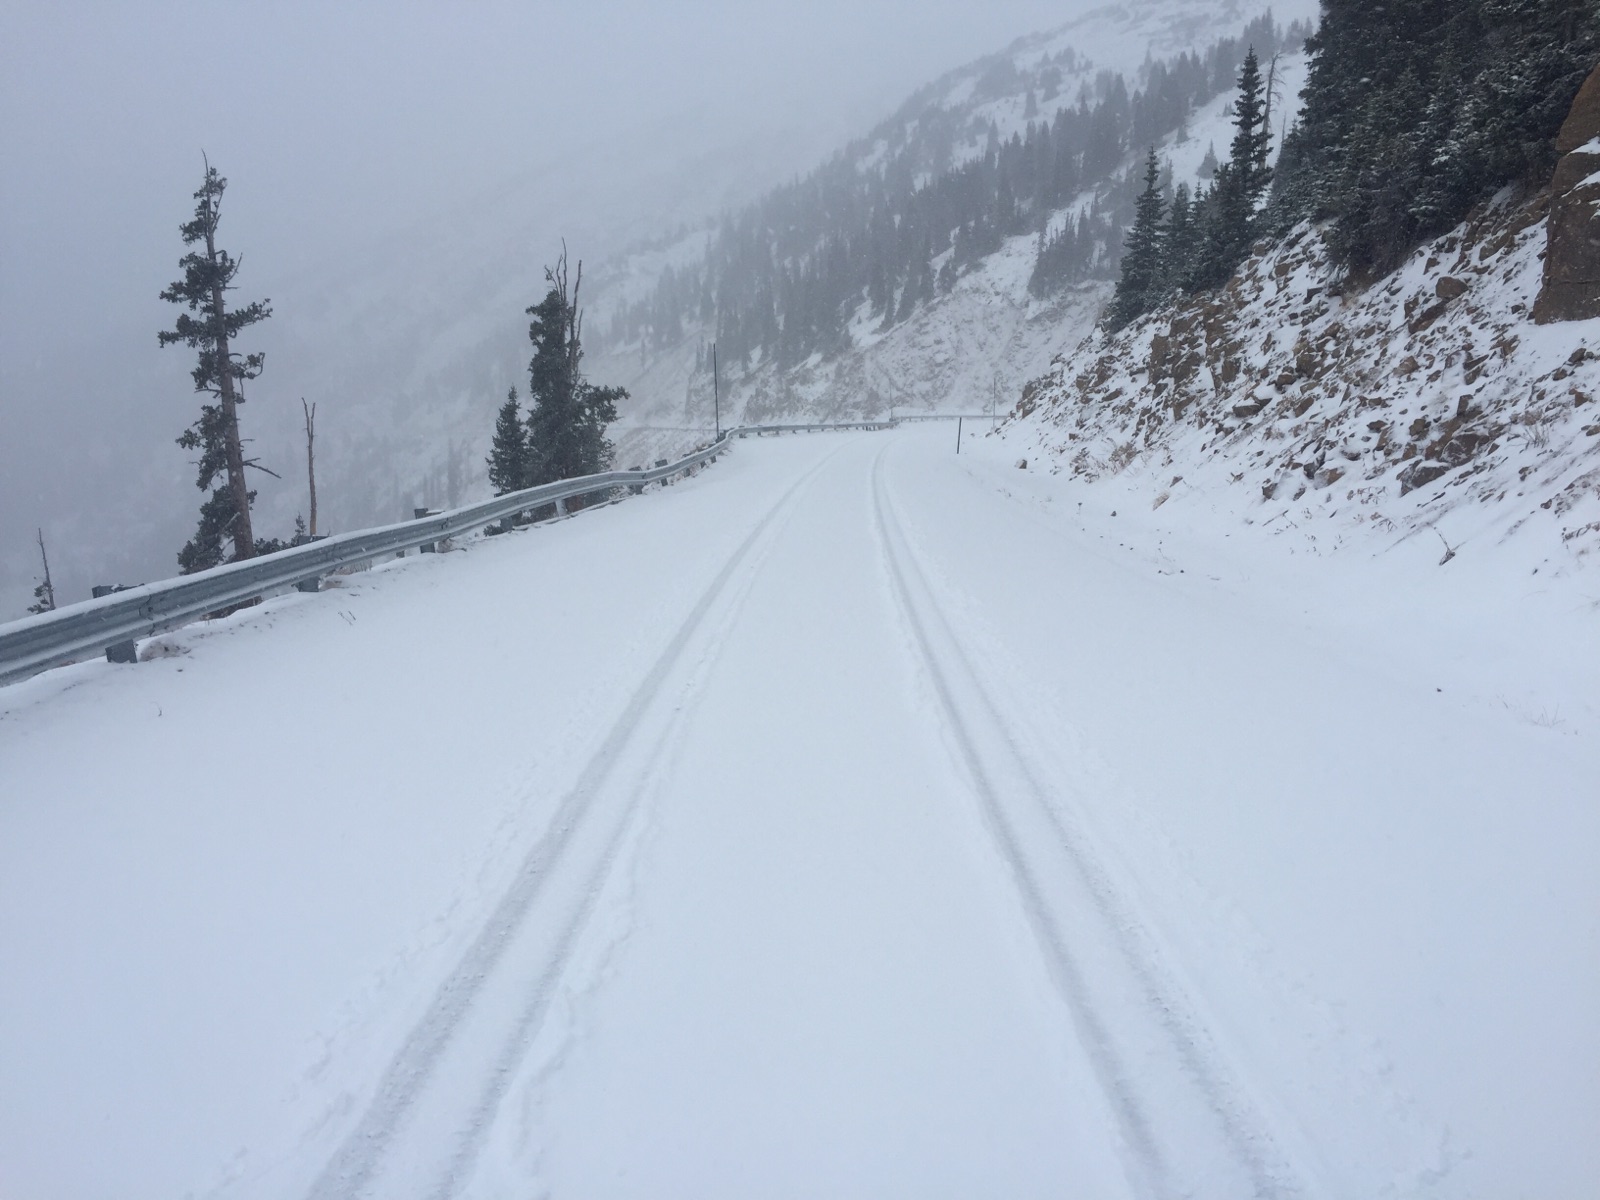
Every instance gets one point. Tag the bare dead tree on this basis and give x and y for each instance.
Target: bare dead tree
(311, 459)
(557, 277)
(46, 592)
(1272, 92)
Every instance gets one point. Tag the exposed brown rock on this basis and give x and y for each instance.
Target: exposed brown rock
(1449, 287)
(1427, 317)
(1571, 289)
(1160, 358)
(1420, 475)
(1583, 122)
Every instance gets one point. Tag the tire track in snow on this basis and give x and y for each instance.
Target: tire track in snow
(599, 797)
(1189, 1128)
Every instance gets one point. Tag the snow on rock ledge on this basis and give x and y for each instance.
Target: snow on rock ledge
(1295, 399)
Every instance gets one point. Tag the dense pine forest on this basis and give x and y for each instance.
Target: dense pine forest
(1414, 113)
(783, 279)
(1417, 111)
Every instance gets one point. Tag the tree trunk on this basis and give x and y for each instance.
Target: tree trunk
(311, 460)
(244, 542)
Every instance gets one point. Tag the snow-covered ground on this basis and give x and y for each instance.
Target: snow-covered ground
(854, 819)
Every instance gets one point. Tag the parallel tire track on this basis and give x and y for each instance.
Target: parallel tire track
(598, 809)
(1188, 1127)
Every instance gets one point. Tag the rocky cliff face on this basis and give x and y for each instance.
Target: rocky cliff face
(1572, 256)
(1299, 401)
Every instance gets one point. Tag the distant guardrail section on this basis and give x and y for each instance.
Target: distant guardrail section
(78, 631)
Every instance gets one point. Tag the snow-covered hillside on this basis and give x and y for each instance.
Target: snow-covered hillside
(854, 819)
(1329, 414)
(976, 345)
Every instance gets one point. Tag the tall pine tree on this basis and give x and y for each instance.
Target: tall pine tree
(1139, 288)
(1231, 220)
(568, 415)
(209, 325)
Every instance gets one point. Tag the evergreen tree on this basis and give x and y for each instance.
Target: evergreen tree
(1139, 288)
(568, 416)
(1294, 187)
(508, 453)
(1415, 112)
(1178, 244)
(1231, 220)
(1252, 138)
(209, 326)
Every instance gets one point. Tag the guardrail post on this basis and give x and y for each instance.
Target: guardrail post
(418, 514)
(120, 652)
(561, 507)
(314, 583)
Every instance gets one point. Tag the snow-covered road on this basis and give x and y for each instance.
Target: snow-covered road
(849, 820)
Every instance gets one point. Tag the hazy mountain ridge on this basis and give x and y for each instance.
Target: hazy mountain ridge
(985, 332)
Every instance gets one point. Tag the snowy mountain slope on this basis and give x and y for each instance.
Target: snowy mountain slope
(852, 819)
(1425, 406)
(1121, 39)
(988, 334)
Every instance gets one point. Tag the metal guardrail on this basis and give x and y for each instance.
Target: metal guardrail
(77, 631)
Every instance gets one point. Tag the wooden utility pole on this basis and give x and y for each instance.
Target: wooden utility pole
(311, 460)
(49, 596)
(716, 391)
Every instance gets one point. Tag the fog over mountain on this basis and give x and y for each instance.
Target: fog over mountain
(398, 176)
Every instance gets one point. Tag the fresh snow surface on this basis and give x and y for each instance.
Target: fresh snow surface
(852, 819)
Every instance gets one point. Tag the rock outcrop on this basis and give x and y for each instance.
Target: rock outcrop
(1571, 289)
(1313, 405)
